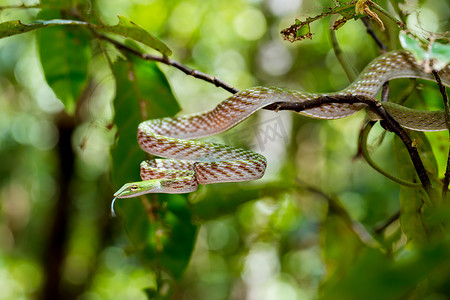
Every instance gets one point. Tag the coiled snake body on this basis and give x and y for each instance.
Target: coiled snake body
(189, 163)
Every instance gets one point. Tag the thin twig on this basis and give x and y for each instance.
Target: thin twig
(372, 33)
(170, 62)
(447, 121)
(343, 61)
(362, 148)
(362, 145)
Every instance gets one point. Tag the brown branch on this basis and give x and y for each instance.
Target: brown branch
(372, 33)
(389, 123)
(170, 62)
(447, 121)
(385, 92)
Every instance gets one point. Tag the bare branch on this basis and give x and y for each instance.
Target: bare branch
(170, 62)
(376, 106)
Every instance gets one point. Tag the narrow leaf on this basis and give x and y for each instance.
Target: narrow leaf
(129, 29)
(10, 28)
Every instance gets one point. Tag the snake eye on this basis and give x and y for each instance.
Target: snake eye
(133, 188)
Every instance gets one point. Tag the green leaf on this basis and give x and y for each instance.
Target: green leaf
(416, 210)
(340, 245)
(126, 155)
(163, 236)
(160, 230)
(412, 45)
(139, 85)
(65, 55)
(125, 28)
(10, 28)
(441, 55)
(376, 276)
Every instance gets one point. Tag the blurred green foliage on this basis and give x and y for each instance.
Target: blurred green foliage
(316, 226)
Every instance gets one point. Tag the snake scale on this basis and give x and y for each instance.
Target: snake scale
(188, 163)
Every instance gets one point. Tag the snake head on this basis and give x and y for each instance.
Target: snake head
(139, 188)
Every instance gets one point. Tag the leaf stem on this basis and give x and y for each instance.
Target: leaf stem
(362, 148)
(343, 61)
(387, 14)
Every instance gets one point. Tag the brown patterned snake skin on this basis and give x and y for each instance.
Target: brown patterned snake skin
(189, 163)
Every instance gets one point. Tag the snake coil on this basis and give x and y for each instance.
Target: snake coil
(188, 163)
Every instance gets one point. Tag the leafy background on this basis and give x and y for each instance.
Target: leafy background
(69, 108)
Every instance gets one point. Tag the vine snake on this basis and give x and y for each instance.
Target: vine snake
(188, 163)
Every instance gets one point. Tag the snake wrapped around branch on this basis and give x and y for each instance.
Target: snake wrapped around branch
(188, 163)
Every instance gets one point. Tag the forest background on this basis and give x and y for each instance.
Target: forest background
(320, 224)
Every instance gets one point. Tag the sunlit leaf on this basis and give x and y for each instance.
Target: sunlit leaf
(434, 57)
(412, 45)
(125, 28)
(441, 54)
(10, 28)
